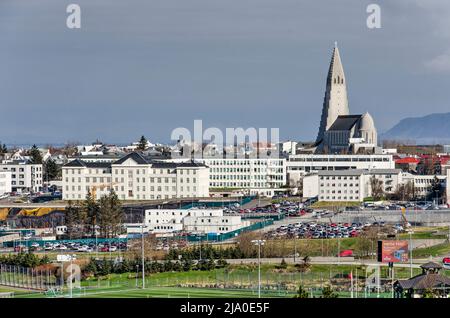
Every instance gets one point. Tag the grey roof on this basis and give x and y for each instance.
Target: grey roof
(431, 265)
(135, 156)
(139, 159)
(347, 172)
(168, 165)
(357, 172)
(385, 171)
(81, 163)
(345, 122)
(425, 281)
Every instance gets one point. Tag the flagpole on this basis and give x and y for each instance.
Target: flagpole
(351, 283)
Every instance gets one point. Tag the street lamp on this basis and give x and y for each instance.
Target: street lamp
(259, 243)
(410, 253)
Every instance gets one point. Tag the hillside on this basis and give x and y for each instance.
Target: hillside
(434, 128)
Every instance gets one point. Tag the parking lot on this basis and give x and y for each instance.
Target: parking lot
(314, 230)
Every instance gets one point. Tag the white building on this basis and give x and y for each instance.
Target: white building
(423, 184)
(448, 187)
(354, 185)
(5, 182)
(135, 178)
(349, 185)
(263, 176)
(198, 221)
(299, 165)
(25, 177)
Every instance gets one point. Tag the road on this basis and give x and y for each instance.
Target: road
(328, 261)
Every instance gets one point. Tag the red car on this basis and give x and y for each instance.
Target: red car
(346, 253)
(446, 262)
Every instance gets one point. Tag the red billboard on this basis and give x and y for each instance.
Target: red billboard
(392, 251)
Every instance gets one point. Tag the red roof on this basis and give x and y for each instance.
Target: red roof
(407, 160)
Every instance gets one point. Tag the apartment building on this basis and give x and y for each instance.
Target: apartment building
(349, 185)
(133, 177)
(25, 177)
(5, 182)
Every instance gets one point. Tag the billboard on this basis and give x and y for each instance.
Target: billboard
(392, 251)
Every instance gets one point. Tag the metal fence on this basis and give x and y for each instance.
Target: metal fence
(28, 278)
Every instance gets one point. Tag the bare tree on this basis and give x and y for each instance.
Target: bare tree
(376, 185)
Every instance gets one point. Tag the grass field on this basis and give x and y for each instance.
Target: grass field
(436, 250)
(238, 281)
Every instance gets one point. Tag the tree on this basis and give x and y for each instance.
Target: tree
(301, 293)
(376, 186)
(405, 191)
(71, 219)
(437, 190)
(142, 143)
(110, 214)
(35, 155)
(429, 293)
(3, 149)
(52, 170)
(327, 292)
(91, 210)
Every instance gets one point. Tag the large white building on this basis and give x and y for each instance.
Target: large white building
(25, 177)
(354, 185)
(349, 185)
(196, 221)
(299, 165)
(262, 176)
(135, 178)
(5, 182)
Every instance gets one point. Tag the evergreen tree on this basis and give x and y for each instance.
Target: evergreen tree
(327, 292)
(71, 218)
(52, 170)
(35, 155)
(110, 215)
(301, 293)
(3, 149)
(91, 210)
(142, 143)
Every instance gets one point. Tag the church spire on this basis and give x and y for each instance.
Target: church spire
(335, 102)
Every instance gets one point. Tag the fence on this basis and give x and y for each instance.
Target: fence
(28, 278)
(272, 283)
(41, 243)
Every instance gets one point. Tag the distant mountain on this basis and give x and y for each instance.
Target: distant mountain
(430, 129)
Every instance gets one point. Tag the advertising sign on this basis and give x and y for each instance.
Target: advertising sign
(392, 251)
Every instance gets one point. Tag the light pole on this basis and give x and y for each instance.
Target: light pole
(259, 243)
(142, 256)
(410, 254)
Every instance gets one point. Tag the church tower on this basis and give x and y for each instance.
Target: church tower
(335, 102)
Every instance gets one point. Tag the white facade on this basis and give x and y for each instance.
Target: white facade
(349, 185)
(25, 177)
(423, 184)
(301, 164)
(255, 175)
(168, 221)
(448, 187)
(5, 182)
(135, 178)
(310, 185)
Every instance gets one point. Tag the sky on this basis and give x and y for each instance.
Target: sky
(146, 67)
